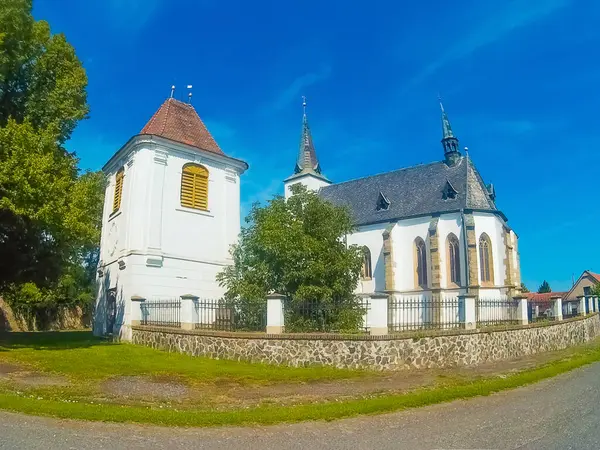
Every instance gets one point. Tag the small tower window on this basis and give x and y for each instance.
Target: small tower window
(194, 187)
(366, 272)
(118, 190)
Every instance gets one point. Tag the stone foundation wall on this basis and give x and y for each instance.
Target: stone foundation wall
(374, 352)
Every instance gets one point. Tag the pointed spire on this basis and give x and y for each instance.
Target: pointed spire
(307, 156)
(449, 141)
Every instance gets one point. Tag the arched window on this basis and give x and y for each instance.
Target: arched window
(486, 263)
(453, 259)
(194, 186)
(366, 272)
(118, 190)
(420, 263)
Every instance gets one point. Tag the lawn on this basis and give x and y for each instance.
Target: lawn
(80, 356)
(65, 375)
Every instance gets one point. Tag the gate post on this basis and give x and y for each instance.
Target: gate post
(189, 313)
(466, 309)
(275, 318)
(136, 310)
(557, 307)
(522, 309)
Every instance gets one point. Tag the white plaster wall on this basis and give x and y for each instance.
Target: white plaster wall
(371, 236)
(155, 248)
(403, 238)
(311, 182)
(492, 225)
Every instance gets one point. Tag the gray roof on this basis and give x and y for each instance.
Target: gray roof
(414, 191)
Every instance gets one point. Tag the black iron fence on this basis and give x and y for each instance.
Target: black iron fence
(161, 312)
(231, 315)
(422, 312)
(326, 316)
(496, 311)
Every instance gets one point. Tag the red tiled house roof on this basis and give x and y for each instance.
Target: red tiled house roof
(596, 276)
(180, 122)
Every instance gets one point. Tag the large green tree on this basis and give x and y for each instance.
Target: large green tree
(49, 213)
(544, 288)
(297, 248)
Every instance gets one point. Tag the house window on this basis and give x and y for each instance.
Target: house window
(485, 259)
(118, 190)
(366, 272)
(420, 263)
(194, 186)
(453, 258)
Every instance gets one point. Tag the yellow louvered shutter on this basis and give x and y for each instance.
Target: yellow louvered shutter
(118, 190)
(194, 187)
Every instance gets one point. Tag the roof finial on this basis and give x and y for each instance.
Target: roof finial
(172, 91)
(441, 104)
(304, 105)
(190, 94)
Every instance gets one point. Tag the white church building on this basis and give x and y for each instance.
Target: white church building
(430, 229)
(171, 213)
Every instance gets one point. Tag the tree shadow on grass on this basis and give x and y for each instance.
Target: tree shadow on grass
(50, 340)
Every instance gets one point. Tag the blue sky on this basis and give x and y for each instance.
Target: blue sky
(519, 79)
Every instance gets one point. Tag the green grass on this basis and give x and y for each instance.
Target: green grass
(266, 415)
(80, 356)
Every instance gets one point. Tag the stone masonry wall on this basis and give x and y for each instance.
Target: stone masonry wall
(374, 352)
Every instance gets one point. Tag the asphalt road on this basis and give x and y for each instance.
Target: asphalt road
(562, 413)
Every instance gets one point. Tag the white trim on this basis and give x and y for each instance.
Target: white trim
(200, 212)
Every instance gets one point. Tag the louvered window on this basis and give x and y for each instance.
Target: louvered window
(118, 190)
(194, 187)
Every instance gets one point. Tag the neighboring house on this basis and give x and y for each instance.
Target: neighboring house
(171, 213)
(541, 305)
(583, 286)
(424, 229)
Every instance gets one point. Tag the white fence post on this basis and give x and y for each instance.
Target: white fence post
(378, 314)
(466, 308)
(582, 305)
(522, 309)
(136, 310)
(275, 318)
(557, 307)
(189, 312)
(596, 304)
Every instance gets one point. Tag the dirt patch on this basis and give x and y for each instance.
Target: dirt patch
(33, 379)
(6, 369)
(145, 388)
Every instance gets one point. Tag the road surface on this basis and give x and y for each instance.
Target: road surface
(561, 413)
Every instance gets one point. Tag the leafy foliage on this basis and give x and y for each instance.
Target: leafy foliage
(49, 214)
(544, 288)
(297, 248)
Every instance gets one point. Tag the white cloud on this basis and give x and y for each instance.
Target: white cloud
(497, 24)
(295, 90)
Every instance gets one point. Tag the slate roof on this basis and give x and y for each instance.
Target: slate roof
(414, 191)
(307, 161)
(179, 122)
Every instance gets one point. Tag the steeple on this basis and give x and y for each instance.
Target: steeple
(307, 170)
(449, 141)
(307, 161)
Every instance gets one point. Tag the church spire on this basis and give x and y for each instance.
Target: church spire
(449, 141)
(307, 161)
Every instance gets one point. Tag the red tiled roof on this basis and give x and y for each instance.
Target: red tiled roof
(180, 122)
(596, 276)
(545, 297)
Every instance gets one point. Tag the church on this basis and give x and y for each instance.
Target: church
(172, 212)
(425, 230)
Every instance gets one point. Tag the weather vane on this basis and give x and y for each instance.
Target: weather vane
(190, 94)
(304, 104)
(172, 91)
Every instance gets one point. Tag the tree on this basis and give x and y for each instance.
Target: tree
(297, 248)
(49, 213)
(544, 288)
(524, 288)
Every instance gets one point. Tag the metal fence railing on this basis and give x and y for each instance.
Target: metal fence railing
(496, 311)
(310, 316)
(421, 312)
(161, 312)
(231, 315)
